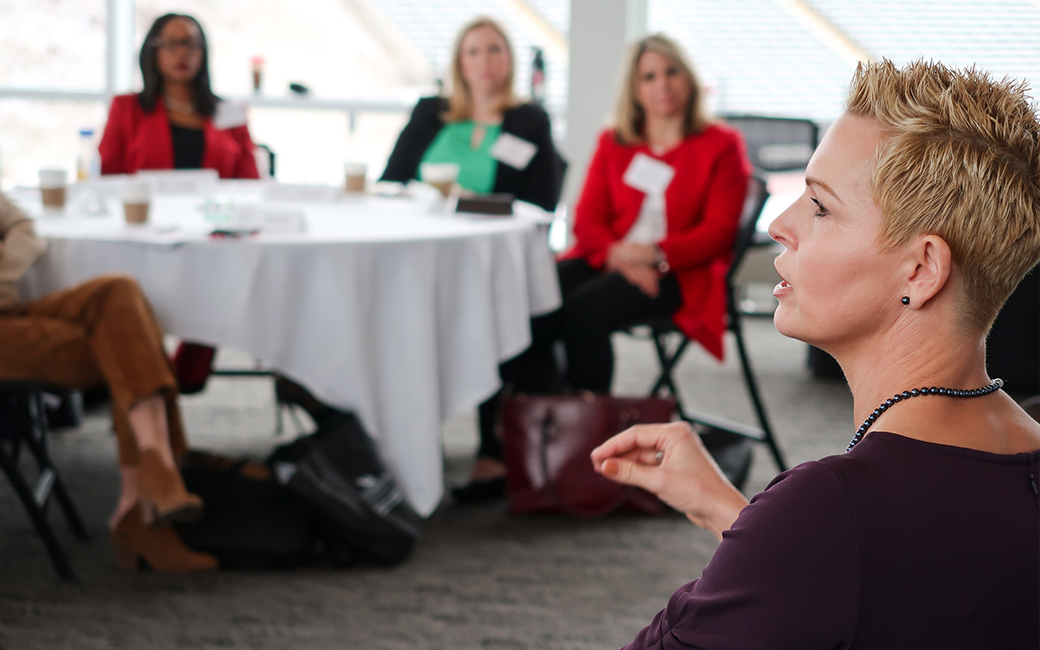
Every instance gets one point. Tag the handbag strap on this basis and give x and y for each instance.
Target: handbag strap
(548, 424)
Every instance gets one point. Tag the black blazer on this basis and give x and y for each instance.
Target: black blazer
(539, 183)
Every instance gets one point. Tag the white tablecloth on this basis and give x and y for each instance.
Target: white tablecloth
(391, 307)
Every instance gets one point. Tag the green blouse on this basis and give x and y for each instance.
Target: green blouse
(476, 166)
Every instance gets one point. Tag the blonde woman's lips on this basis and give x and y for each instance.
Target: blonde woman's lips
(782, 289)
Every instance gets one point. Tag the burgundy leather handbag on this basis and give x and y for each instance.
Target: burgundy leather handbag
(548, 439)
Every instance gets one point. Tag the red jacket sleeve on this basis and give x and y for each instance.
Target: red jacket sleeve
(117, 135)
(724, 201)
(595, 210)
(245, 165)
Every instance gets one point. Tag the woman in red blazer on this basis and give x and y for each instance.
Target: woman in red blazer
(655, 223)
(177, 122)
(654, 228)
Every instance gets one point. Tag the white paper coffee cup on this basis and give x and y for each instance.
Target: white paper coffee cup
(354, 174)
(53, 188)
(137, 199)
(440, 175)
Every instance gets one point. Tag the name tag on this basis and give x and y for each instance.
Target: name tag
(228, 116)
(648, 175)
(513, 151)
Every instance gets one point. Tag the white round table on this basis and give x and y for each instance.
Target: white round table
(392, 307)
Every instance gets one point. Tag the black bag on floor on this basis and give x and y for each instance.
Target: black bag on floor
(357, 508)
(250, 521)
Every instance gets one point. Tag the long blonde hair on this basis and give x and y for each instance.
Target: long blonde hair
(629, 116)
(460, 98)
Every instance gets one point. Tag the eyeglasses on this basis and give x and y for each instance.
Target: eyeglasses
(190, 44)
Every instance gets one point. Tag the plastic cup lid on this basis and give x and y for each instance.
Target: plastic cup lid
(53, 178)
(440, 172)
(137, 192)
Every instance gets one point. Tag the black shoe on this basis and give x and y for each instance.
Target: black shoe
(492, 489)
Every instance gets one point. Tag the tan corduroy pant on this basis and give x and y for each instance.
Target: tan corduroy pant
(100, 332)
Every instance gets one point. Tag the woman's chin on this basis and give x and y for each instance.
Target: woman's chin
(785, 323)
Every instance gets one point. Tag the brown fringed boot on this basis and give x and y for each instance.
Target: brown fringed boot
(158, 547)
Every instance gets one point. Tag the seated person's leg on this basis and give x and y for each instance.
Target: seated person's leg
(596, 309)
(104, 330)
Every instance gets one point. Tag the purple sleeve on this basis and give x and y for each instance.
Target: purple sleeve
(787, 575)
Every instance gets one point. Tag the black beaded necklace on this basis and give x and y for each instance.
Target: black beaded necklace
(997, 384)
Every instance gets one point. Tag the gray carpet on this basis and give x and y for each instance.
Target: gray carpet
(478, 579)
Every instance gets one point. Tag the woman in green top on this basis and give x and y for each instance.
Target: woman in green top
(481, 110)
(464, 128)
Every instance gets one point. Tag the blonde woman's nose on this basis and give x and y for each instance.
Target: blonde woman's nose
(780, 230)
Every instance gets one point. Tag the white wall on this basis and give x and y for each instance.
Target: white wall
(600, 32)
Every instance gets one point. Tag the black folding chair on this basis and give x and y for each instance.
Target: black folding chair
(777, 144)
(23, 425)
(663, 330)
(781, 144)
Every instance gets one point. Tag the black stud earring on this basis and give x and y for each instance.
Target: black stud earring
(906, 300)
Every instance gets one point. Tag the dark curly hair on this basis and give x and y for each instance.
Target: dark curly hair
(205, 100)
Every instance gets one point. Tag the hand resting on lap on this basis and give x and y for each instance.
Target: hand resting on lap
(644, 278)
(637, 263)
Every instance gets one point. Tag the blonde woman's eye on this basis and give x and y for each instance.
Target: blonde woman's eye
(673, 71)
(820, 210)
(495, 49)
(648, 77)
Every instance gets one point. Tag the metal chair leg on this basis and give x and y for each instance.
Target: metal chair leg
(37, 444)
(38, 516)
(668, 361)
(756, 399)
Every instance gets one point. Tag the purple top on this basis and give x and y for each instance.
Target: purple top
(898, 544)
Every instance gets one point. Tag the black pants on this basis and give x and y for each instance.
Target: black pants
(595, 305)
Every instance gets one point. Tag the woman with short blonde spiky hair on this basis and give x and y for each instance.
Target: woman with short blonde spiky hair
(921, 214)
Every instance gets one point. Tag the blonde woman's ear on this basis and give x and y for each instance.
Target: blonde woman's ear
(933, 264)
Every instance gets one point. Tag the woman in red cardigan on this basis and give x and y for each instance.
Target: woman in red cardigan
(656, 220)
(177, 122)
(654, 229)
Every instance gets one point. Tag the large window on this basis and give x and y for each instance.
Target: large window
(775, 57)
(365, 63)
(53, 44)
(318, 43)
(37, 134)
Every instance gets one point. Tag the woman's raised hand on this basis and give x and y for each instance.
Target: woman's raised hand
(670, 461)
